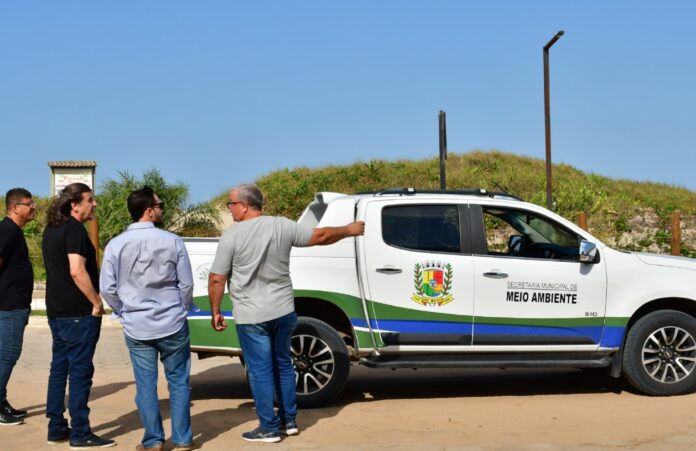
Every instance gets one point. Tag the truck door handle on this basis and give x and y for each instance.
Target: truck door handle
(388, 270)
(495, 275)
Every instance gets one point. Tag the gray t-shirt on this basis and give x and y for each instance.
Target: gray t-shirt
(256, 255)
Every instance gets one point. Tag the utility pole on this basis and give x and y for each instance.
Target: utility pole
(547, 115)
(443, 148)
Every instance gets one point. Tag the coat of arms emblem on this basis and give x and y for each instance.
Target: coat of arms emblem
(433, 283)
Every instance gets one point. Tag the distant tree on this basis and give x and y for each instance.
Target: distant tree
(179, 217)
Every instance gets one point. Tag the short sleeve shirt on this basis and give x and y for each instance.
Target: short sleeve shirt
(16, 274)
(255, 254)
(63, 298)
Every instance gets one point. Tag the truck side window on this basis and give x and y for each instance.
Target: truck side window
(518, 233)
(432, 228)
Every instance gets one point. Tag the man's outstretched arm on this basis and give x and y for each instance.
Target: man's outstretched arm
(328, 235)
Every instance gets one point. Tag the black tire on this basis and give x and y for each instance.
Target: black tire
(659, 356)
(321, 362)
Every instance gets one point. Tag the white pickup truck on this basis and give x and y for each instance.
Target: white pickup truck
(471, 279)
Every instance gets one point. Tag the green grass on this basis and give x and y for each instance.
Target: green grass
(609, 203)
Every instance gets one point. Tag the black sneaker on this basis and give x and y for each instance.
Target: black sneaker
(58, 439)
(259, 435)
(7, 419)
(7, 408)
(92, 441)
(290, 428)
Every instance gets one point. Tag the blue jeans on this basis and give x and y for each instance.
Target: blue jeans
(175, 353)
(12, 324)
(74, 343)
(266, 348)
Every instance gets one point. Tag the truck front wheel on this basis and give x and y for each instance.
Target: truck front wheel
(660, 353)
(321, 362)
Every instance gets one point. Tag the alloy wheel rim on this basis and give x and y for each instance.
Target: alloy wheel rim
(669, 354)
(314, 363)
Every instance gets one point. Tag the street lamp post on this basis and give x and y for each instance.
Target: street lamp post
(547, 114)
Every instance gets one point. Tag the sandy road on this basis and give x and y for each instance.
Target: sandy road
(405, 409)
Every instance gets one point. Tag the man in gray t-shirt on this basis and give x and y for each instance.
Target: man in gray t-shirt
(254, 257)
(258, 250)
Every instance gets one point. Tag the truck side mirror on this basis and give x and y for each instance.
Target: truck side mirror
(588, 252)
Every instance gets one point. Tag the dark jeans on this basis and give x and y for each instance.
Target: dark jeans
(266, 349)
(74, 343)
(175, 353)
(12, 324)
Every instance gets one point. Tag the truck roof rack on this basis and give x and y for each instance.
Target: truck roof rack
(467, 191)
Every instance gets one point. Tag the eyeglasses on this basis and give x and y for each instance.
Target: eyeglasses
(159, 205)
(27, 204)
(230, 203)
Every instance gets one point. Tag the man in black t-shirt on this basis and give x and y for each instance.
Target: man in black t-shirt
(16, 285)
(74, 311)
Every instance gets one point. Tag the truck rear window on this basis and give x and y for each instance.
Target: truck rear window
(432, 228)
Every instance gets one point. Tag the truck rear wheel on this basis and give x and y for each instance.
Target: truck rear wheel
(660, 353)
(321, 362)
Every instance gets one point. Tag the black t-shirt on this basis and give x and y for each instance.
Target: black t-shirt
(63, 298)
(16, 275)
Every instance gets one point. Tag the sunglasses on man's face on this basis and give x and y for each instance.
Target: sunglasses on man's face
(159, 205)
(231, 203)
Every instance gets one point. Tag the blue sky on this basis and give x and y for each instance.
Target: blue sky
(216, 93)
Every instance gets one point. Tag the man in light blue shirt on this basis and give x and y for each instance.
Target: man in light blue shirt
(146, 279)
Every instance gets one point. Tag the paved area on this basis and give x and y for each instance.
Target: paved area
(379, 409)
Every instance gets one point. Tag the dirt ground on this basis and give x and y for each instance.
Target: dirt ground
(404, 409)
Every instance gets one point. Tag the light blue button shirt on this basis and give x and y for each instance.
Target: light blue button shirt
(146, 279)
